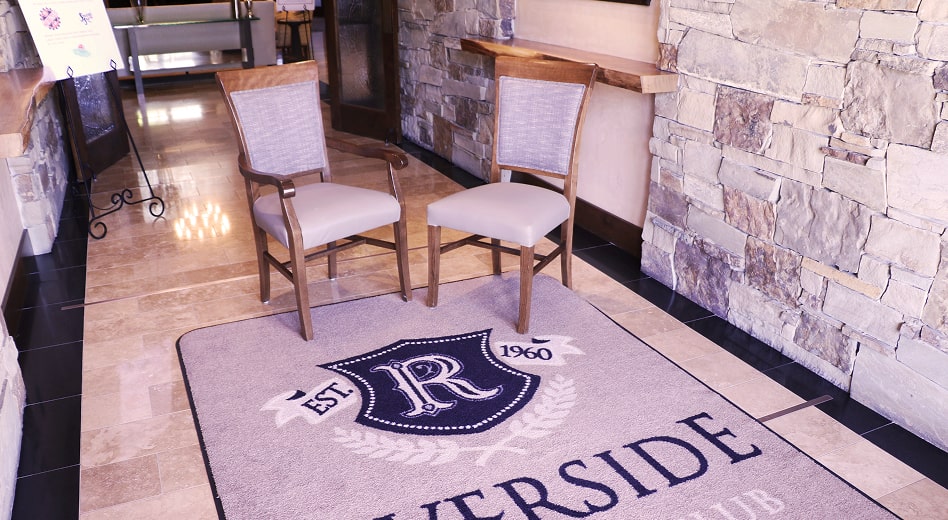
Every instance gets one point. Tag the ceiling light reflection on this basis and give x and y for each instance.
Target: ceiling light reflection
(202, 222)
(164, 115)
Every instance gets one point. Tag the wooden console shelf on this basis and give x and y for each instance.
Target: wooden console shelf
(22, 90)
(613, 70)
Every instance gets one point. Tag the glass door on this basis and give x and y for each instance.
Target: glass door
(362, 53)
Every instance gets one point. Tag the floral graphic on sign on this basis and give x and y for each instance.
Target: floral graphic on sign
(50, 18)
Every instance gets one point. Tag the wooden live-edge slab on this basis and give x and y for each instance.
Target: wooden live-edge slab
(619, 72)
(21, 91)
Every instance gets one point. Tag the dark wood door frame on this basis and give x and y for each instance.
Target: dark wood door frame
(384, 123)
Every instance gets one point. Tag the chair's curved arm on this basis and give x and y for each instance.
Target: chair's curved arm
(396, 158)
(283, 183)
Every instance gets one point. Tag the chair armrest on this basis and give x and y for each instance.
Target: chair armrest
(283, 183)
(396, 158)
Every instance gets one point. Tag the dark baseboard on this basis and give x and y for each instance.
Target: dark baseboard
(622, 233)
(15, 294)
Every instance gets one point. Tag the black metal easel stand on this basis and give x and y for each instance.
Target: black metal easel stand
(120, 199)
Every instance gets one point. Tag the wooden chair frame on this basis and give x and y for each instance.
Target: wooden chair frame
(531, 262)
(295, 268)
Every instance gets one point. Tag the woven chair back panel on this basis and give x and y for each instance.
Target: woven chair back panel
(283, 128)
(537, 120)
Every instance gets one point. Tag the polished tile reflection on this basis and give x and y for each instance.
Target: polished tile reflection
(152, 279)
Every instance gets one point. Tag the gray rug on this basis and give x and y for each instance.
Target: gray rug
(400, 412)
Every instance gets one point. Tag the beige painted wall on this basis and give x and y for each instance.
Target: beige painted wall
(614, 157)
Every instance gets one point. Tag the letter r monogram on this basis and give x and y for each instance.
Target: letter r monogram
(413, 376)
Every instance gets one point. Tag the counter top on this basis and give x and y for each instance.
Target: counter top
(638, 76)
(21, 90)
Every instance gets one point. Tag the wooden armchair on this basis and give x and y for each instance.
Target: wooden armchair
(276, 112)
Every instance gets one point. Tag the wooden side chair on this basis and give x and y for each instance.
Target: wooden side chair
(539, 110)
(276, 112)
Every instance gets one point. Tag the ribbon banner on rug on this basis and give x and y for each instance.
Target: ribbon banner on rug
(414, 413)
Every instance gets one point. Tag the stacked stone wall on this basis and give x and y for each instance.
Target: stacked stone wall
(40, 174)
(446, 92)
(38, 181)
(800, 186)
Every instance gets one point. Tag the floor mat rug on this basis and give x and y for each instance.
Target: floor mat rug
(396, 411)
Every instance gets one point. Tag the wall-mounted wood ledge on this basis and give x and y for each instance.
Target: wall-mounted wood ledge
(619, 72)
(21, 91)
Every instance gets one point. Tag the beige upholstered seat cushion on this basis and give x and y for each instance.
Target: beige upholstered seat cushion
(328, 212)
(513, 212)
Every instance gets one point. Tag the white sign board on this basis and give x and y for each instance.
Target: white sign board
(74, 37)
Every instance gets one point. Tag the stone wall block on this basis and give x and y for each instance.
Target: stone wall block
(889, 104)
(933, 11)
(859, 183)
(753, 216)
(749, 180)
(869, 289)
(696, 109)
(781, 169)
(917, 181)
(903, 297)
(816, 119)
(889, 26)
(714, 23)
(742, 119)
(821, 225)
(701, 193)
(828, 34)
(933, 41)
(825, 80)
(924, 359)
(701, 160)
(935, 313)
(895, 390)
(913, 248)
(874, 271)
(862, 313)
(742, 65)
(909, 65)
(773, 271)
(430, 75)
(690, 133)
(716, 230)
(667, 204)
(881, 5)
(658, 264)
(940, 140)
(797, 147)
(666, 105)
(826, 340)
(912, 278)
(703, 275)
(759, 315)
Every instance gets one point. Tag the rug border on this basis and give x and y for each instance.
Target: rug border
(210, 474)
(768, 428)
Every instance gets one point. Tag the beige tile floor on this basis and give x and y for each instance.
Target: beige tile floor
(146, 286)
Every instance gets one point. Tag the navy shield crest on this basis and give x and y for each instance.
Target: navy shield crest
(436, 386)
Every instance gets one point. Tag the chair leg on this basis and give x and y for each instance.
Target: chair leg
(566, 257)
(263, 266)
(301, 288)
(495, 256)
(434, 264)
(526, 288)
(331, 262)
(401, 257)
